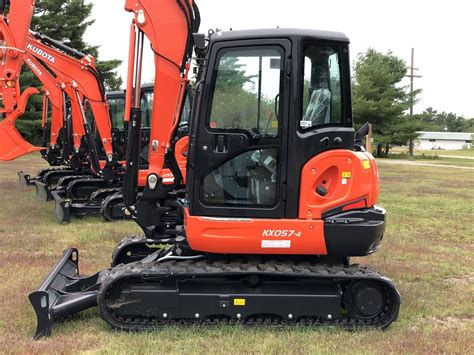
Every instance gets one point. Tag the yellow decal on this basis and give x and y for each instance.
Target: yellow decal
(239, 301)
(366, 164)
(346, 175)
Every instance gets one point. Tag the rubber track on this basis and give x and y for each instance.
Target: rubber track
(221, 267)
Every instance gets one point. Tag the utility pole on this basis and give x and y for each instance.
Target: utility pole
(412, 77)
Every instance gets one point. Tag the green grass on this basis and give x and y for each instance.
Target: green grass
(454, 153)
(428, 251)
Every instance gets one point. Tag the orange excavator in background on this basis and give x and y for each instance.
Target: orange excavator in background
(93, 149)
(279, 191)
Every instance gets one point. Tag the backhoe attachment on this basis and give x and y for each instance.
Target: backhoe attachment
(12, 144)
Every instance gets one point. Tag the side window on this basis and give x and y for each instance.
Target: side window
(247, 90)
(117, 111)
(186, 111)
(322, 101)
(89, 114)
(147, 108)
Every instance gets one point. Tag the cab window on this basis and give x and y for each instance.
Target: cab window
(147, 108)
(322, 103)
(117, 111)
(247, 90)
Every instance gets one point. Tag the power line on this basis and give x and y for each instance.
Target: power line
(412, 77)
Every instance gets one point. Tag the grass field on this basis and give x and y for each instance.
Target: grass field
(428, 251)
(440, 157)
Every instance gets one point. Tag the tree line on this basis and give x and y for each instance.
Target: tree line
(379, 98)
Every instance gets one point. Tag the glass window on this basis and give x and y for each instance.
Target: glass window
(322, 103)
(117, 111)
(89, 114)
(248, 179)
(147, 108)
(247, 90)
(186, 111)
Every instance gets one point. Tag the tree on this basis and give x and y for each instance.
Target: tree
(381, 100)
(432, 120)
(65, 21)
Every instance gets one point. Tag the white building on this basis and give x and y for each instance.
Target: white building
(443, 140)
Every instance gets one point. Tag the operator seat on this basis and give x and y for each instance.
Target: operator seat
(318, 111)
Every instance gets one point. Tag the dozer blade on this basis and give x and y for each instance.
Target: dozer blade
(43, 191)
(64, 292)
(62, 207)
(12, 144)
(65, 207)
(25, 179)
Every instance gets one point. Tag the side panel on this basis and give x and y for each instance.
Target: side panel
(255, 236)
(336, 178)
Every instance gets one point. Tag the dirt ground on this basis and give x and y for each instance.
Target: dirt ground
(428, 251)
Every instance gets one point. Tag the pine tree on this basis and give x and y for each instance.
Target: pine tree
(65, 21)
(381, 100)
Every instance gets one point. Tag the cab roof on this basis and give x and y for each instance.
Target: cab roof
(291, 33)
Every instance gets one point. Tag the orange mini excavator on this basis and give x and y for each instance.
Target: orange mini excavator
(279, 192)
(90, 183)
(78, 78)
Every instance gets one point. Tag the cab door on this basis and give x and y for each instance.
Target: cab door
(238, 165)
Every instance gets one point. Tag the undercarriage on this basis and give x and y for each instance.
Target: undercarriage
(165, 289)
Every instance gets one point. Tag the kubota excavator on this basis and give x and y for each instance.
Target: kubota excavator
(279, 191)
(77, 191)
(80, 81)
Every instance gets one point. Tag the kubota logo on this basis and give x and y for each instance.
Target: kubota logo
(41, 53)
(34, 67)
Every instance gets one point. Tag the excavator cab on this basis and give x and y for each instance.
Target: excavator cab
(253, 133)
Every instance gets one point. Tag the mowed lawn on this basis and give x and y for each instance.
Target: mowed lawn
(428, 251)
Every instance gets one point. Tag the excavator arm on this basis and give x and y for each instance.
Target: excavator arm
(13, 36)
(53, 94)
(82, 81)
(169, 26)
(79, 79)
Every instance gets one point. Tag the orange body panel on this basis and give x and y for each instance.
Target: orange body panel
(255, 236)
(181, 154)
(348, 176)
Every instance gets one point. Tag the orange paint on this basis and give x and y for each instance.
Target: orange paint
(343, 174)
(255, 236)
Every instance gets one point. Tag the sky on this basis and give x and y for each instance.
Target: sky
(440, 31)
